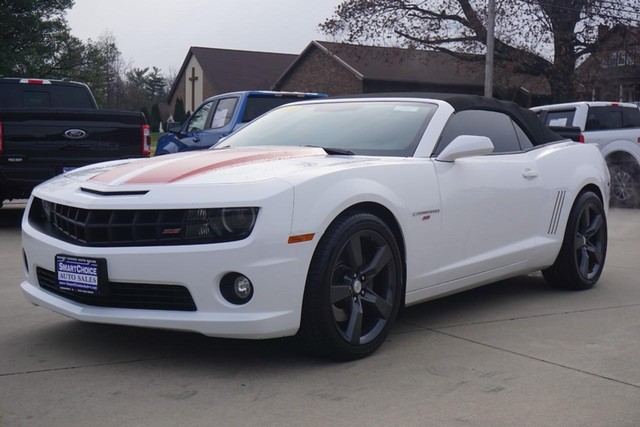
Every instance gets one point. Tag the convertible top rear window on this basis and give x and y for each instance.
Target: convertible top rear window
(379, 128)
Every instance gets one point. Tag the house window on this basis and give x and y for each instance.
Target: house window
(630, 57)
(622, 57)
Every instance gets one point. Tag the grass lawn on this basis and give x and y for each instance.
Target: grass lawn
(154, 141)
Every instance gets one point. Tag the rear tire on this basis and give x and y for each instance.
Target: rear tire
(354, 288)
(584, 248)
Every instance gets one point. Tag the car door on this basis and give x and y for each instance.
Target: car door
(195, 126)
(220, 124)
(490, 203)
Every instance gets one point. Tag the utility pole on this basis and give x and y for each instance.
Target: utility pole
(488, 69)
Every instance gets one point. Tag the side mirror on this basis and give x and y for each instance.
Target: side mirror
(174, 127)
(466, 146)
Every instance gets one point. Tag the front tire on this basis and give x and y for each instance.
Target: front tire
(584, 248)
(354, 288)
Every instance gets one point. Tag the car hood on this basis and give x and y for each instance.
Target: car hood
(232, 165)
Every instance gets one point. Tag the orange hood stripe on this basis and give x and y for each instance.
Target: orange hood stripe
(167, 169)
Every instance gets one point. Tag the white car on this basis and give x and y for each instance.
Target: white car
(322, 219)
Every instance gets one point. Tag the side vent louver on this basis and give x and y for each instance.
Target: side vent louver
(557, 211)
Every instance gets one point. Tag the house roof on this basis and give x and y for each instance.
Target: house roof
(397, 64)
(410, 65)
(619, 30)
(233, 70)
(407, 65)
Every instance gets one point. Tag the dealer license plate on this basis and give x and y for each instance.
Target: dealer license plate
(84, 275)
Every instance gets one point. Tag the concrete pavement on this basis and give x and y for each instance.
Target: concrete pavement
(513, 353)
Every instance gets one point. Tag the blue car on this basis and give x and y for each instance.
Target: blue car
(220, 115)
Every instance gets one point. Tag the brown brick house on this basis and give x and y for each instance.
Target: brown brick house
(338, 69)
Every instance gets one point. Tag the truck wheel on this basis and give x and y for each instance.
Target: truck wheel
(354, 288)
(584, 248)
(625, 185)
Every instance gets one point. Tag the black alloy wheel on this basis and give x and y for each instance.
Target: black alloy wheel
(354, 288)
(584, 249)
(590, 241)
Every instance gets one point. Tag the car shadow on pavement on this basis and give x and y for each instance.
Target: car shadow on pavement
(96, 344)
(88, 344)
(476, 304)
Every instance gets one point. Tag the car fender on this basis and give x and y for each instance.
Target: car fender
(409, 192)
(624, 146)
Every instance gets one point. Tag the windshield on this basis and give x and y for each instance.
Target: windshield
(380, 128)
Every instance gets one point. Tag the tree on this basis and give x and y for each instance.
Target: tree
(155, 119)
(35, 38)
(35, 41)
(145, 88)
(548, 38)
(156, 84)
(102, 70)
(136, 94)
(178, 111)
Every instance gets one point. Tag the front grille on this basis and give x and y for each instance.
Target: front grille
(125, 295)
(132, 227)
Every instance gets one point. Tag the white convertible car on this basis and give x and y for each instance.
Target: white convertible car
(321, 219)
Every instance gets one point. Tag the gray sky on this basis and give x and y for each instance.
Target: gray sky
(159, 33)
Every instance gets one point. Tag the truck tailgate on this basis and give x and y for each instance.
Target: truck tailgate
(39, 144)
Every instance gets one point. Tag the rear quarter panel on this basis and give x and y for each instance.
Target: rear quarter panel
(568, 169)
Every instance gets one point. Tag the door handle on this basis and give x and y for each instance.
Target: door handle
(530, 173)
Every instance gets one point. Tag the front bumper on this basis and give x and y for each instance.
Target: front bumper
(277, 270)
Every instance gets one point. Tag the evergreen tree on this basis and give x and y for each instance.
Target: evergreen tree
(155, 118)
(179, 115)
(156, 84)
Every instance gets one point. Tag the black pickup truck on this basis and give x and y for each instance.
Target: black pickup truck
(48, 127)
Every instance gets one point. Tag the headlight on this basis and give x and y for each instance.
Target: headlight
(236, 220)
(222, 225)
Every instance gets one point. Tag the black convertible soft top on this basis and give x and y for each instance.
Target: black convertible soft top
(527, 119)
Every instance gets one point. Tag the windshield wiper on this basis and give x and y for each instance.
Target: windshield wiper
(334, 151)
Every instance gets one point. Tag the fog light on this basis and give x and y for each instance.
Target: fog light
(236, 288)
(242, 287)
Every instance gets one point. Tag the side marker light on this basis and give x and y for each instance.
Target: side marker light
(301, 238)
